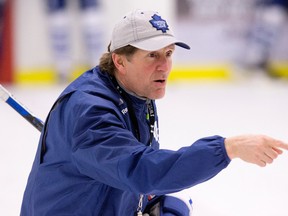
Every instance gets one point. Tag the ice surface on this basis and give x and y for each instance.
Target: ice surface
(188, 112)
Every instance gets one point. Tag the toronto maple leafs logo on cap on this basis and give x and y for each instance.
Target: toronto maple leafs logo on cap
(159, 23)
(145, 30)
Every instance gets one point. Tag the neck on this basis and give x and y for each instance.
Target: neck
(129, 92)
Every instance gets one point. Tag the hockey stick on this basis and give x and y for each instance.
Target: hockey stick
(9, 99)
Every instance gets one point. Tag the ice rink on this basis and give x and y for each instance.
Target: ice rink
(189, 111)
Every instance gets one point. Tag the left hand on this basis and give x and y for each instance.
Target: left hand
(256, 149)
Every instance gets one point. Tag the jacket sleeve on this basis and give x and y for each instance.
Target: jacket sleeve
(105, 150)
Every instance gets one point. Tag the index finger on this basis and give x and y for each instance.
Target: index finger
(281, 144)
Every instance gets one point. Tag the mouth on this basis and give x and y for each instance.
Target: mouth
(160, 81)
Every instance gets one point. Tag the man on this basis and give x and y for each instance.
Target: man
(99, 152)
(59, 22)
(270, 22)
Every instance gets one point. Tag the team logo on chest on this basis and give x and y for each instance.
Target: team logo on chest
(156, 131)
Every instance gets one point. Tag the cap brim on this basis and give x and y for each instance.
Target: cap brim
(156, 43)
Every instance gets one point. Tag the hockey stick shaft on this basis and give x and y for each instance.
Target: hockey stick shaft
(18, 107)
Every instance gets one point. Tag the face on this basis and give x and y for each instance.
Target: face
(146, 72)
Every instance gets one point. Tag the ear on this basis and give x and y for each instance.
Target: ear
(118, 62)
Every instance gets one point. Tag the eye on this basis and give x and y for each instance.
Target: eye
(169, 53)
(152, 55)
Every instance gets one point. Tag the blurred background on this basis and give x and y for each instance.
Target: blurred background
(234, 80)
(54, 40)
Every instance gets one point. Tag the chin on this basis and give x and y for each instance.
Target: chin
(158, 96)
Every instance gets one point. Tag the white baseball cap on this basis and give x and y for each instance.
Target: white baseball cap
(145, 30)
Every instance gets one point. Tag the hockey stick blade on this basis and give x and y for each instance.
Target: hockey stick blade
(18, 107)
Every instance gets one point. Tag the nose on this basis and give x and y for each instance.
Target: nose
(164, 64)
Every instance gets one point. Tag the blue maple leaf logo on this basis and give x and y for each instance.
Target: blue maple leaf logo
(159, 23)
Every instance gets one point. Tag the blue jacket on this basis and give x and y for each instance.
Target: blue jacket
(91, 162)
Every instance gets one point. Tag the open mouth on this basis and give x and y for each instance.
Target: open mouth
(160, 81)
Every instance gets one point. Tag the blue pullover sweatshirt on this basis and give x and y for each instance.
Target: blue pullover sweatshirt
(90, 160)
